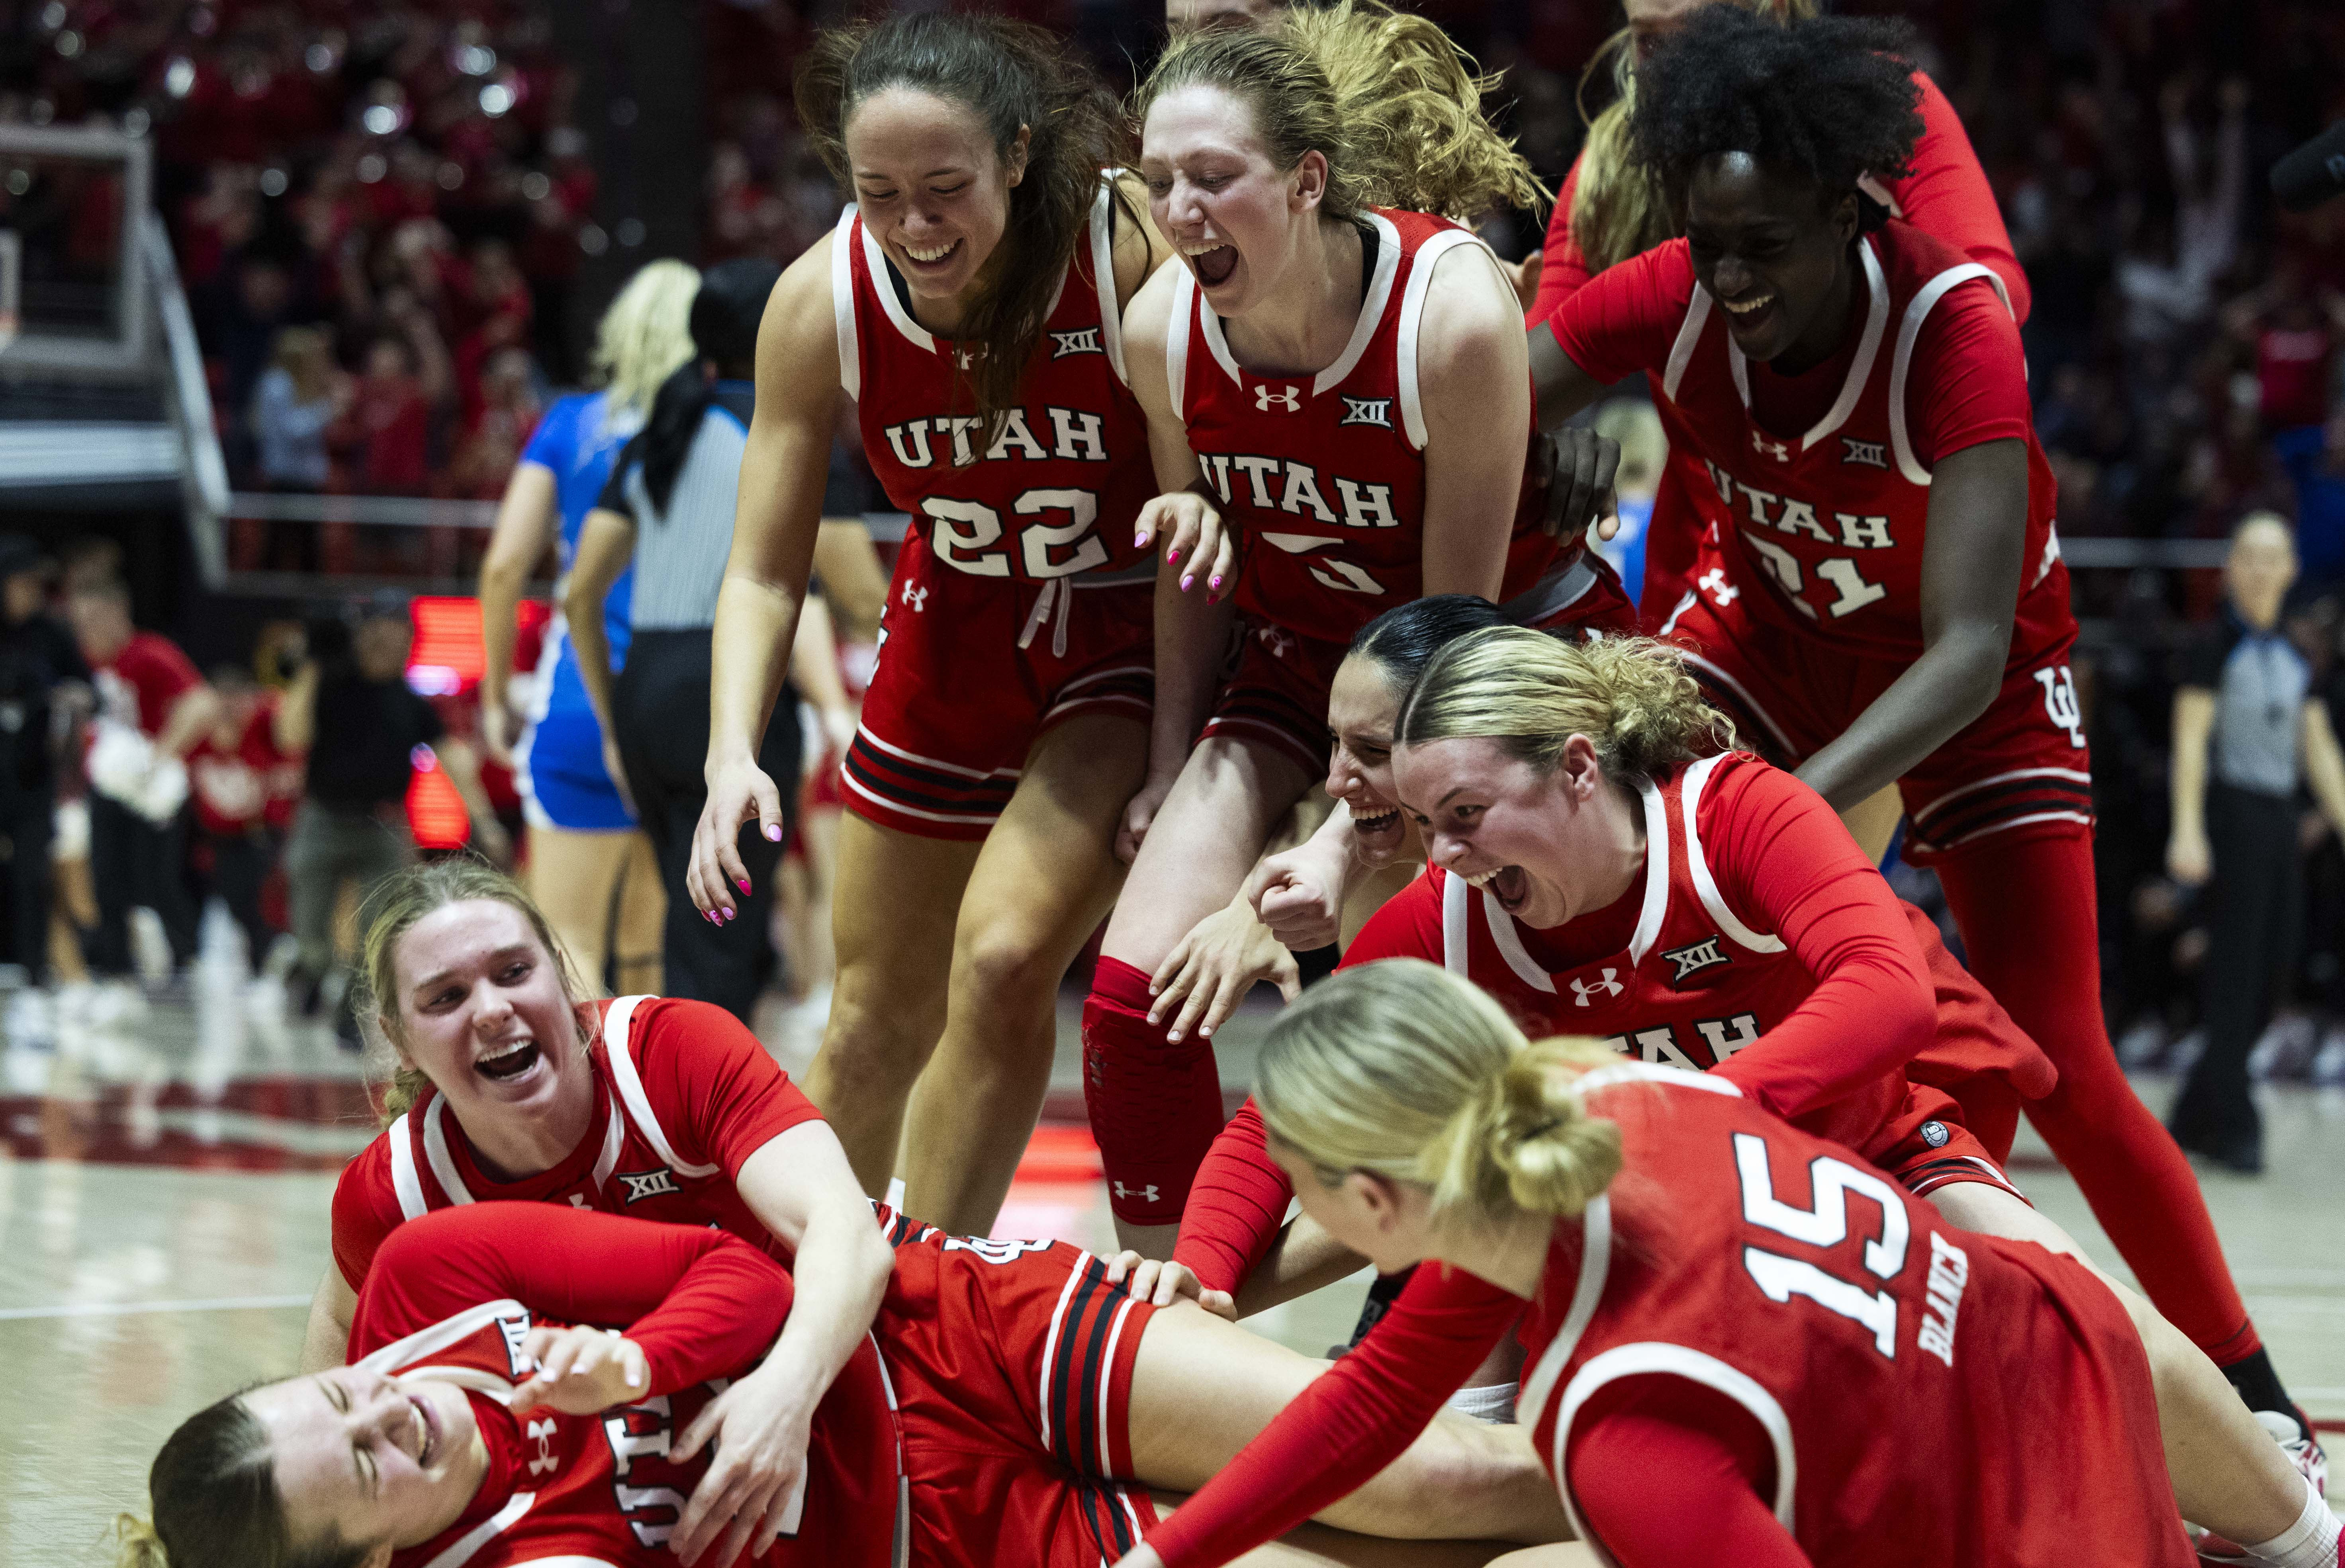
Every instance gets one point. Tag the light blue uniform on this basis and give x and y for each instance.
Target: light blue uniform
(558, 765)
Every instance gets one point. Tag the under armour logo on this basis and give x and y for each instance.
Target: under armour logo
(578, 1200)
(916, 597)
(1278, 639)
(649, 1184)
(1870, 454)
(542, 1433)
(1145, 1195)
(1085, 341)
(1713, 583)
(1376, 410)
(967, 357)
(1288, 398)
(2060, 703)
(1605, 986)
(1777, 450)
(1694, 955)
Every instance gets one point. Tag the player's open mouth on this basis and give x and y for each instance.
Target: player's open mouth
(929, 258)
(1368, 819)
(427, 1431)
(1213, 263)
(1747, 317)
(1506, 884)
(511, 1062)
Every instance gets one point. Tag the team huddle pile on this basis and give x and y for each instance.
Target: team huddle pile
(1228, 475)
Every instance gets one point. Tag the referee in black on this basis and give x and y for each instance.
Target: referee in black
(669, 509)
(2247, 731)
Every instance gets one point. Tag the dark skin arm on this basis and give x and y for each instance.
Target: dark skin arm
(1579, 465)
(1972, 562)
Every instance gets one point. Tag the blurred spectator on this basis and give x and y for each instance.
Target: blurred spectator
(153, 709)
(499, 427)
(2247, 729)
(245, 787)
(300, 396)
(2293, 325)
(2314, 456)
(385, 435)
(42, 684)
(351, 711)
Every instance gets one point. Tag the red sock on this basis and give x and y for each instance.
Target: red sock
(2026, 909)
(1155, 1104)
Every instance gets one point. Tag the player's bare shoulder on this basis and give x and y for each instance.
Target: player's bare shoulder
(798, 340)
(1473, 324)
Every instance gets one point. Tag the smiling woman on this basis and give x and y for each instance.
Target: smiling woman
(510, 1087)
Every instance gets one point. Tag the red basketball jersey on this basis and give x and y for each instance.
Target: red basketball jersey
(642, 1156)
(1323, 476)
(1057, 492)
(601, 1489)
(1822, 530)
(1694, 986)
(1929, 1397)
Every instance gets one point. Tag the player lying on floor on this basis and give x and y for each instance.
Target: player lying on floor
(535, 1384)
(1747, 1346)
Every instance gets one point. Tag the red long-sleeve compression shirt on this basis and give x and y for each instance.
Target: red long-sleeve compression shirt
(702, 1304)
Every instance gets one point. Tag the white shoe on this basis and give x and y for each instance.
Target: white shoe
(2282, 1050)
(2304, 1452)
(2142, 1044)
(31, 1020)
(2329, 1063)
(2187, 1051)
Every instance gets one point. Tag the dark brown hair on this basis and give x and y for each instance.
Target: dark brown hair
(213, 1487)
(1010, 75)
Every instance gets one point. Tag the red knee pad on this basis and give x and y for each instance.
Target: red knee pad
(1155, 1104)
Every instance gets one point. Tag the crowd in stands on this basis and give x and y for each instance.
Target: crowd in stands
(380, 214)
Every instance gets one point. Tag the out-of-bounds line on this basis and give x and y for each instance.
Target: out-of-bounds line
(125, 1308)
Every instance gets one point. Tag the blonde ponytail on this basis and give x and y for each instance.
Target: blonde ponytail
(1394, 106)
(1401, 1068)
(646, 334)
(1531, 693)
(1618, 208)
(136, 1544)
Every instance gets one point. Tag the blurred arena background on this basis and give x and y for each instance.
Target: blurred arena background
(284, 289)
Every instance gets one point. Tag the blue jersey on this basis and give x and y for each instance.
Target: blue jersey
(560, 768)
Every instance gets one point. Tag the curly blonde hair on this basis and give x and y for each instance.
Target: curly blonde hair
(1401, 1068)
(1531, 693)
(1392, 104)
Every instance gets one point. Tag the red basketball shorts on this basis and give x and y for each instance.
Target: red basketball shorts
(971, 670)
(1924, 1146)
(1277, 692)
(1012, 1365)
(2020, 766)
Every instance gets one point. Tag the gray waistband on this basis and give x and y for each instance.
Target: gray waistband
(1561, 588)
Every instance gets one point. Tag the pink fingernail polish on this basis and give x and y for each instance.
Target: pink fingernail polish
(1216, 581)
(1185, 582)
(773, 836)
(1172, 556)
(744, 882)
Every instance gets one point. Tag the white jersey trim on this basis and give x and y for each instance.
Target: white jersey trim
(618, 1050)
(435, 1150)
(615, 1137)
(1456, 922)
(1909, 330)
(1689, 339)
(1412, 315)
(1372, 315)
(875, 262)
(441, 1335)
(842, 302)
(404, 1181)
(1657, 877)
(1051, 1344)
(1860, 367)
(469, 1544)
(1595, 1268)
(1634, 1072)
(1688, 800)
(1104, 274)
(1650, 1356)
(1509, 942)
(1176, 337)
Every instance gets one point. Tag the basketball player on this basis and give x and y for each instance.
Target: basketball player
(972, 301)
(1338, 404)
(1886, 601)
